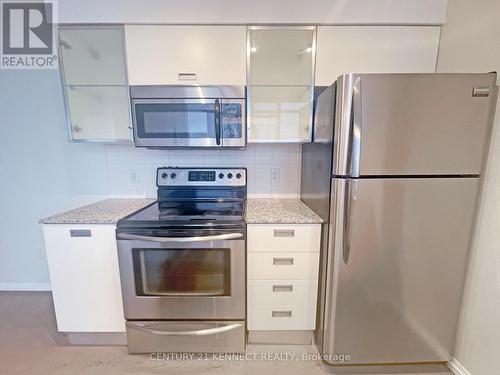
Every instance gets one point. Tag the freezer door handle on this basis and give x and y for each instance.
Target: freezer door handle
(354, 151)
(351, 197)
(346, 155)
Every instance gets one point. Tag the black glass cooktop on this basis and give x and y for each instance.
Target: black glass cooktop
(186, 212)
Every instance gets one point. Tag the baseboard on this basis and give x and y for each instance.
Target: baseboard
(97, 338)
(25, 287)
(457, 368)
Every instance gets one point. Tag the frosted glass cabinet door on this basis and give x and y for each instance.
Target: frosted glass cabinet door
(280, 113)
(93, 55)
(99, 112)
(280, 56)
(280, 83)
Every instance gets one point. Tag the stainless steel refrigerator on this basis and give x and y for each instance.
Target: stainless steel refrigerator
(395, 171)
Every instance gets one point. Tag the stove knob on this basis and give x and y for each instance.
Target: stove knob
(238, 175)
(173, 175)
(221, 175)
(164, 175)
(229, 175)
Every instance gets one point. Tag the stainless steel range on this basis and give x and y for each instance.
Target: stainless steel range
(182, 263)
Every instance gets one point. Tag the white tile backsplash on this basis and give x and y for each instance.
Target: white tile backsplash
(259, 159)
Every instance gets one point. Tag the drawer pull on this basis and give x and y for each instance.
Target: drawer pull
(284, 232)
(187, 77)
(282, 314)
(282, 288)
(283, 261)
(80, 233)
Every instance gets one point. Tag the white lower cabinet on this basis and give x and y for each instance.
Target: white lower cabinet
(283, 264)
(281, 317)
(282, 292)
(83, 266)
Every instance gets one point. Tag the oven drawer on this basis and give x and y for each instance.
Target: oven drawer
(185, 337)
(281, 317)
(284, 237)
(283, 266)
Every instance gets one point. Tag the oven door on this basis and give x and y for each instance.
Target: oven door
(177, 122)
(182, 277)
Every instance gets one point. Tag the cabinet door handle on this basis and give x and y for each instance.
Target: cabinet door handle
(80, 233)
(284, 232)
(282, 288)
(282, 314)
(187, 76)
(283, 261)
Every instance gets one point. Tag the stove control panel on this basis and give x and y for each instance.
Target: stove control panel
(176, 176)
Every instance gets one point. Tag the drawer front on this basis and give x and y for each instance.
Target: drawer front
(289, 238)
(185, 337)
(283, 266)
(281, 317)
(83, 303)
(282, 292)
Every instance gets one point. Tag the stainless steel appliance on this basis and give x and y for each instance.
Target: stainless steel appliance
(182, 264)
(395, 171)
(188, 116)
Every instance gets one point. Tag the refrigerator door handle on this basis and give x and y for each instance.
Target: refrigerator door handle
(354, 151)
(351, 197)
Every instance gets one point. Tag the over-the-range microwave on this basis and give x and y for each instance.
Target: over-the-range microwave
(188, 116)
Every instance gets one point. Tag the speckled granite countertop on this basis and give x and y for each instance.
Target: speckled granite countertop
(259, 211)
(108, 211)
(279, 211)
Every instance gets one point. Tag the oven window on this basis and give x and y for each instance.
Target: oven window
(175, 120)
(182, 272)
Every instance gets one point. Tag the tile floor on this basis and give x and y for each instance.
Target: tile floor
(30, 344)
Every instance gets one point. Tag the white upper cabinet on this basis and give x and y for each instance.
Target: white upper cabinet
(202, 55)
(94, 75)
(280, 83)
(375, 49)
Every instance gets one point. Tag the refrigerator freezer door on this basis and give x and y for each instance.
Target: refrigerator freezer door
(412, 124)
(324, 116)
(393, 296)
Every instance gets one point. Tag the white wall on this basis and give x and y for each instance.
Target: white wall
(470, 42)
(254, 11)
(40, 172)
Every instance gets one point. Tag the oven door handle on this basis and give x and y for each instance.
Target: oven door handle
(218, 237)
(202, 332)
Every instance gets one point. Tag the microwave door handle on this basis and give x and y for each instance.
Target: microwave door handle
(217, 121)
(218, 237)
